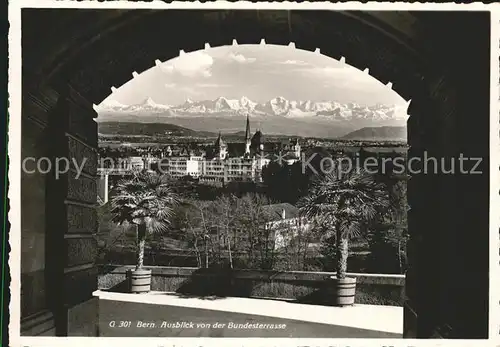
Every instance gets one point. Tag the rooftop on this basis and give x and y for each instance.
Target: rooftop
(275, 211)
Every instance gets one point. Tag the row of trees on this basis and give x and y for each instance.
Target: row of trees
(384, 233)
(236, 231)
(228, 229)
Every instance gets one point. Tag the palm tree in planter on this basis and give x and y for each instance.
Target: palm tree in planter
(146, 201)
(343, 202)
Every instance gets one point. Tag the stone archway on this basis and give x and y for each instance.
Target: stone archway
(68, 65)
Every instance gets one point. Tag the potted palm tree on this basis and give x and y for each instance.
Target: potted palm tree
(146, 201)
(342, 202)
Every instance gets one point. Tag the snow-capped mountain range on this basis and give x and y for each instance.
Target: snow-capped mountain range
(276, 107)
(147, 105)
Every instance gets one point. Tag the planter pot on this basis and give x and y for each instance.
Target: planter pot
(140, 280)
(343, 291)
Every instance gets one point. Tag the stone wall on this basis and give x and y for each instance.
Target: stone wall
(311, 287)
(448, 219)
(58, 215)
(35, 310)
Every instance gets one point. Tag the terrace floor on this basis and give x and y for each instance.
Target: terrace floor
(161, 314)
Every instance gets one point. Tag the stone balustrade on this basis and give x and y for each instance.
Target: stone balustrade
(381, 289)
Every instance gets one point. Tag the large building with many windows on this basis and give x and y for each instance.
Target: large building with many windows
(219, 167)
(178, 167)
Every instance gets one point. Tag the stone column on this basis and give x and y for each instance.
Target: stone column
(37, 316)
(446, 284)
(103, 187)
(422, 282)
(72, 218)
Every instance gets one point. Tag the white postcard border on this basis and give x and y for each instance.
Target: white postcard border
(14, 152)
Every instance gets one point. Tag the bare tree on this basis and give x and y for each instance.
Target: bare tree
(193, 221)
(187, 224)
(254, 221)
(225, 217)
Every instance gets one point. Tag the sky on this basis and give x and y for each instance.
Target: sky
(259, 72)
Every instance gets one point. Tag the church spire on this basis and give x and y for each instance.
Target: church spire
(247, 131)
(247, 138)
(219, 141)
(220, 147)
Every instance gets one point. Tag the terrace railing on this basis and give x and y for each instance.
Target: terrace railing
(307, 287)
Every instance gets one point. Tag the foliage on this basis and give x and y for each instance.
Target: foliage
(342, 203)
(111, 235)
(226, 226)
(285, 183)
(146, 201)
(218, 229)
(389, 236)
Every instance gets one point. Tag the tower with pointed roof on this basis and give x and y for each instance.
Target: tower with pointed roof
(296, 148)
(168, 152)
(247, 138)
(220, 147)
(257, 142)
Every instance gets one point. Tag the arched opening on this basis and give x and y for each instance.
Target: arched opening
(424, 62)
(303, 110)
(335, 93)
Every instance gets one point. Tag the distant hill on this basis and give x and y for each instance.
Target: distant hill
(385, 133)
(275, 107)
(306, 118)
(130, 128)
(149, 129)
